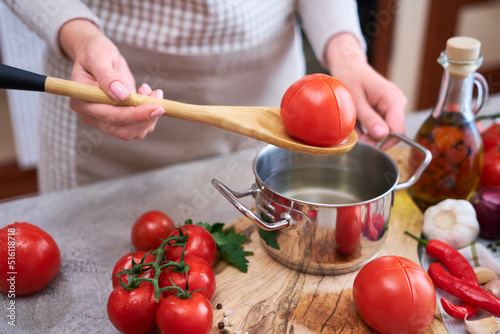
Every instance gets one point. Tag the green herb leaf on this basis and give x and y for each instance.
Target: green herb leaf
(236, 257)
(269, 238)
(229, 244)
(215, 227)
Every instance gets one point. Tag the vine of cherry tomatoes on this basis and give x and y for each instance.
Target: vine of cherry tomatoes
(169, 286)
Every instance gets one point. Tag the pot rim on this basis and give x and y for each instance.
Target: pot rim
(261, 184)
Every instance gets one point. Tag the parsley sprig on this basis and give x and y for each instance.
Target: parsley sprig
(229, 244)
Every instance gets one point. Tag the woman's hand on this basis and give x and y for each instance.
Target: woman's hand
(380, 104)
(97, 61)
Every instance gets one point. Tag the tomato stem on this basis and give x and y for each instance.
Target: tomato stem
(158, 265)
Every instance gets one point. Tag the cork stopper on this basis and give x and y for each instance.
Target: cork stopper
(462, 56)
(463, 49)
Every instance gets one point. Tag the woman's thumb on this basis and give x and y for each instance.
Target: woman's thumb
(118, 90)
(116, 80)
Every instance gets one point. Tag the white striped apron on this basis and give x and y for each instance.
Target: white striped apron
(249, 56)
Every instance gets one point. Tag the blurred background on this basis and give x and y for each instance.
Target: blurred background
(404, 39)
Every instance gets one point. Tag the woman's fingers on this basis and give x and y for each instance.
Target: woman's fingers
(97, 61)
(121, 122)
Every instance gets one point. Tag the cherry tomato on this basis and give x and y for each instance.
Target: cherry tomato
(29, 259)
(394, 295)
(318, 109)
(200, 276)
(200, 243)
(490, 175)
(133, 311)
(125, 262)
(491, 136)
(348, 229)
(182, 316)
(149, 229)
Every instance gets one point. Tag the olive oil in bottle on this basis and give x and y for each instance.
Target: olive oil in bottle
(450, 132)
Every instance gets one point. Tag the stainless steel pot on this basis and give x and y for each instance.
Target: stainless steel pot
(324, 215)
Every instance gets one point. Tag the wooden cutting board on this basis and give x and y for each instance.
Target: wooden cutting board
(272, 298)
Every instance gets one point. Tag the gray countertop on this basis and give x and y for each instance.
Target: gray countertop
(91, 225)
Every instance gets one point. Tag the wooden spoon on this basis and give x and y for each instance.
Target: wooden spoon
(261, 123)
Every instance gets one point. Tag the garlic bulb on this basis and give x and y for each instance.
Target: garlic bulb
(452, 221)
(484, 275)
(493, 287)
(482, 326)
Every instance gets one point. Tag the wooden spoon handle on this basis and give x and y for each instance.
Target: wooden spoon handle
(233, 118)
(79, 90)
(15, 78)
(95, 94)
(229, 118)
(190, 112)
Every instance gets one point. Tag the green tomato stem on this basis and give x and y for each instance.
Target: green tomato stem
(158, 266)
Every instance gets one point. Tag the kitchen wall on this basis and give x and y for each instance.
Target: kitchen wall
(482, 20)
(407, 46)
(478, 20)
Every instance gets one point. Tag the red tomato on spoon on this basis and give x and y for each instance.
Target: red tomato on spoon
(318, 109)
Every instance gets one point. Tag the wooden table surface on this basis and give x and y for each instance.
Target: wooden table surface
(272, 298)
(91, 225)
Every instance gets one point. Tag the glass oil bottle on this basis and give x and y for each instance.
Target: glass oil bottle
(450, 131)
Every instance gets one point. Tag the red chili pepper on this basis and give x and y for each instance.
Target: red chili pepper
(458, 266)
(459, 312)
(467, 292)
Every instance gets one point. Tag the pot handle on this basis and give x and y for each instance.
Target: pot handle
(420, 169)
(233, 196)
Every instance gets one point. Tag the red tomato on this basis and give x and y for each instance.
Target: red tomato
(133, 311)
(491, 136)
(200, 276)
(394, 295)
(125, 262)
(490, 175)
(182, 316)
(200, 243)
(29, 259)
(318, 109)
(149, 229)
(348, 229)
